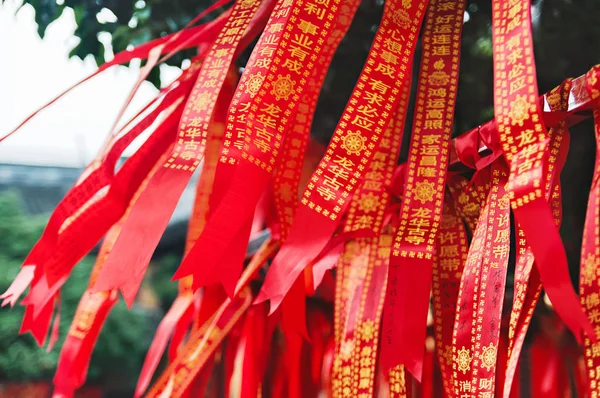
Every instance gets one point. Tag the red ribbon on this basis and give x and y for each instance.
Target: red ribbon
(328, 194)
(525, 143)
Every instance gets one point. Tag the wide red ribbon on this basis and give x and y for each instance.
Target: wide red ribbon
(527, 285)
(352, 147)
(451, 254)
(179, 317)
(155, 206)
(90, 316)
(411, 262)
(590, 253)
(272, 110)
(525, 142)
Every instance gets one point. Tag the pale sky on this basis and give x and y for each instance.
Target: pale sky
(33, 71)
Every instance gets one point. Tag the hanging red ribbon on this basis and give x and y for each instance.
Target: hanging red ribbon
(411, 261)
(351, 149)
(590, 253)
(525, 142)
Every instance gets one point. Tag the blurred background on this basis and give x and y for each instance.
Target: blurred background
(47, 45)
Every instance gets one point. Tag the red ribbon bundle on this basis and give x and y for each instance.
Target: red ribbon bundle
(382, 280)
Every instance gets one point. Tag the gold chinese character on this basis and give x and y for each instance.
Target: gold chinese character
(267, 120)
(264, 134)
(442, 28)
(367, 110)
(502, 236)
(430, 139)
(447, 237)
(298, 52)
(221, 52)
(193, 132)
(326, 193)
(389, 57)
(293, 65)
(311, 8)
(515, 56)
(377, 165)
(441, 39)
(213, 73)
(307, 27)
(443, 19)
(344, 162)
(339, 171)
(526, 137)
(266, 51)
(196, 122)
(374, 98)
(262, 63)
(514, 42)
(465, 386)
(433, 124)
(303, 41)
(441, 50)
(592, 300)
(448, 6)
(434, 114)
(374, 175)
(517, 70)
(513, 23)
(272, 110)
(262, 145)
(437, 92)
(428, 161)
(232, 31)
(449, 264)
(501, 251)
(392, 45)
(378, 85)
(385, 69)
(187, 155)
(485, 383)
(594, 315)
(514, 10)
(449, 251)
(421, 212)
(436, 103)
(332, 182)
(426, 172)
(270, 40)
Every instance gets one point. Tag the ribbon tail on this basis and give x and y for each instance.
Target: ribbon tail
(295, 255)
(18, 286)
(562, 295)
(159, 343)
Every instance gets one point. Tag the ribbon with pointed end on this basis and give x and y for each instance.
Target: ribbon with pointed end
(164, 189)
(352, 147)
(272, 110)
(411, 262)
(525, 143)
(527, 285)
